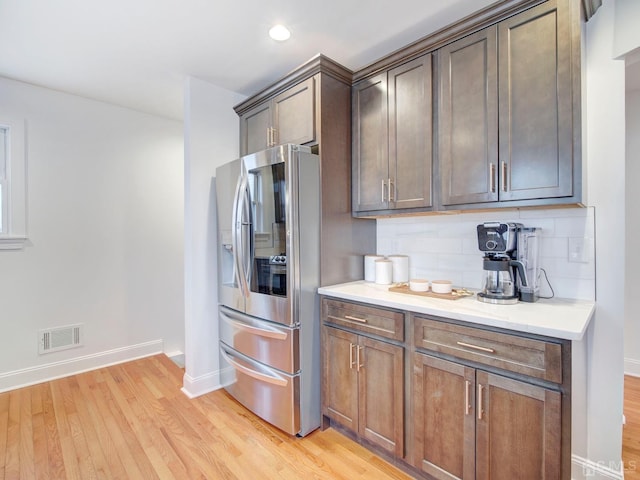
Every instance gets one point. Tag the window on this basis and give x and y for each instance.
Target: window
(4, 133)
(12, 185)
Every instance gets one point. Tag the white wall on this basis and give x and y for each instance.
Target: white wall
(104, 210)
(626, 32)
(446, 247)
(632, 255)
(606, 165)
(211, 132)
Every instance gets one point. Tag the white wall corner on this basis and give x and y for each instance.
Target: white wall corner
(194, 387)
(584, 469)
(64, 368)
(211, 133)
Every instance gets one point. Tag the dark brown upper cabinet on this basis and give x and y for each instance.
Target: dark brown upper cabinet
(311, 105)
(468, 119)
(507, 125)
(536, 104)
(392, 138)
(286, 118)
(506, 130)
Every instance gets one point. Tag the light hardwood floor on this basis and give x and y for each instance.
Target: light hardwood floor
(631, 430)
(131, 421)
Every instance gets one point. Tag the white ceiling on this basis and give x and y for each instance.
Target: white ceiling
(137, 53)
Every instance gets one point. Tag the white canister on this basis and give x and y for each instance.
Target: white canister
(384, 272)
(400, 268)
(370, 267)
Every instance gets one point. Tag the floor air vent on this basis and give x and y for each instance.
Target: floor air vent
(61, 338)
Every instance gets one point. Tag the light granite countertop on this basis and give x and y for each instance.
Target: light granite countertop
(558, 317)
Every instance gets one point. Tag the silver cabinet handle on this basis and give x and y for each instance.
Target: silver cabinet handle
(467, 405)
(271, 136)
(504, 176)
(360, 349)
(383, 189)
(392, 191)
(274, 136)
(355, 319)
(492, 178)
(351, 362)
(480, 409)
(476, 347)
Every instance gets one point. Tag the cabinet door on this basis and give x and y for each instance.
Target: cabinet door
(410, 133)
(536, 127)
(381, 387)
(517, 431)
(444, 418)
(294, 114)
(468, 119)
(254, 129)
(340, 377)
(370, 144)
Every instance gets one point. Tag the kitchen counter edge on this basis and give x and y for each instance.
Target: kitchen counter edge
(558, 317)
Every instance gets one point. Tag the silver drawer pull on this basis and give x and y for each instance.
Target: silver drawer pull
(356, 319)
(263, 377)
(261, 332)
(476, 347)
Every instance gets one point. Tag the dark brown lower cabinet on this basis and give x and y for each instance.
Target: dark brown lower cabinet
(363, 387)
(469, 424)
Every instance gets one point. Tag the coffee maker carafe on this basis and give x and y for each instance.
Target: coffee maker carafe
(509, 273)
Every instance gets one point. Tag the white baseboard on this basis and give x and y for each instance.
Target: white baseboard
(632, 367)
(72, 366)
(194, 387)
(177, 357)
(583, 469)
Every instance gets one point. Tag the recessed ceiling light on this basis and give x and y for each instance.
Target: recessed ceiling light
(279, 33)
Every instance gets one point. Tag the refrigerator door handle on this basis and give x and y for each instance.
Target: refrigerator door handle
(237, 237)
(247, 221)
(273, 380)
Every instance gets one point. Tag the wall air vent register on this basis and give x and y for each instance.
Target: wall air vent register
(61, 338)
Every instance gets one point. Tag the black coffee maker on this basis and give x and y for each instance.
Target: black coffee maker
(505, 272)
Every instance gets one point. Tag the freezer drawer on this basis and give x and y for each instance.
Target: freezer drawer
(272, 395)
(272, 344)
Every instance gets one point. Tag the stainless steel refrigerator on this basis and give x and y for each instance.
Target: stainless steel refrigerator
(269, 221)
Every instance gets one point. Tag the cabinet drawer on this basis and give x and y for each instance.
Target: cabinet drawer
(375, 321)
(526, 356)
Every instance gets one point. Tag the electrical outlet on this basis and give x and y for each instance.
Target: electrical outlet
(578, 250)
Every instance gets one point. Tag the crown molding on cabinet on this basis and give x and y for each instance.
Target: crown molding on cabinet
(317, 64)
(463, 27)
(470, 24)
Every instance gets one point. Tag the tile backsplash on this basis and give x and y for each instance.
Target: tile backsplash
(446, 247)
